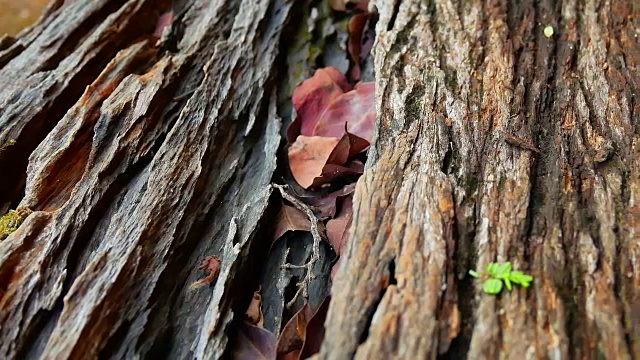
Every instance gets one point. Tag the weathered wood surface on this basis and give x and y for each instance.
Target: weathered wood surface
(445, 193)
(132, 188)
(138, 163)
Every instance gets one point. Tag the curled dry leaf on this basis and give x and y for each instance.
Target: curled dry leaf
(307, 157)
(324, 105)
(253, 314)
(254, 343)
(356, 108)
(361, 38)
(338, 230)
(326, 205)
(210, 264)
(331, 172)
(315, 331)
(301, 336)
(294, 333)
(313, 96)
(291, 219)
(315, 160)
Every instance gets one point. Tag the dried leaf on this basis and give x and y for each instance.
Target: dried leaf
(338, 228)
(302, 335)
(211, 264)
(348, 146)
(315, 331)
(312, 97)
(338, 231)
(356, 108)
(294, 333)
(291, 219)
(253, 315)
(331, 172)
(326, 205)
(360, 42)
(308, 156)
(253, 343)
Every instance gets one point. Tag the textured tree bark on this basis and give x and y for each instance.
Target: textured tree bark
(138, 163)
(445, 192)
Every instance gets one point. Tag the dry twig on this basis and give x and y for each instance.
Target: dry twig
(303, 286)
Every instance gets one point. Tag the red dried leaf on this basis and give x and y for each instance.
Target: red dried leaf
(308, 156)
(356, 108)
(327, 204)
(210, 264)
(312, 97)
(254, 343)
(291, 219)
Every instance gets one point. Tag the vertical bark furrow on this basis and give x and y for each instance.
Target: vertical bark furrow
(559, 214)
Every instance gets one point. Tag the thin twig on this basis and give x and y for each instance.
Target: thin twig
(303, 286)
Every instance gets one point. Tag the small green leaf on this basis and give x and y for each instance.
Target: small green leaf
(474, 274)
(521, 278)
(492, 286)
(491, 269)
(502, 271)
(508, 283)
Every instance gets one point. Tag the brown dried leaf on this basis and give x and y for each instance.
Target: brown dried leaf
(315, 331)
(253, 315)
(294, 333)
(291, 219)
(358, 35)
(253, 343)
(308, 156)
(338, 228)
(302, 335)
(326, 205)
(331, 172)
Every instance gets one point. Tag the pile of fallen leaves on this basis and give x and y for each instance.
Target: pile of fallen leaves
(326, 147)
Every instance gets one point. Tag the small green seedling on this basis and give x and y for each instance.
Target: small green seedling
(497, 274)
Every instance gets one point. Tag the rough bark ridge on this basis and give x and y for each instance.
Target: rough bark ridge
(138, 163)
(132, 187)
(445, 193)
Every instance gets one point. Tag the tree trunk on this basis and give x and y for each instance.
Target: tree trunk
(494, 142)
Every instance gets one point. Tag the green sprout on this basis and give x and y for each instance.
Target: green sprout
(497, 274)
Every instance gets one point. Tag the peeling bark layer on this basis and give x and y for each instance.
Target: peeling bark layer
(445, 193)
(131, 183)
(494, 143)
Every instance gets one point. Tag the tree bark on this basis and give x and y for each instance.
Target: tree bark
(494, 142)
